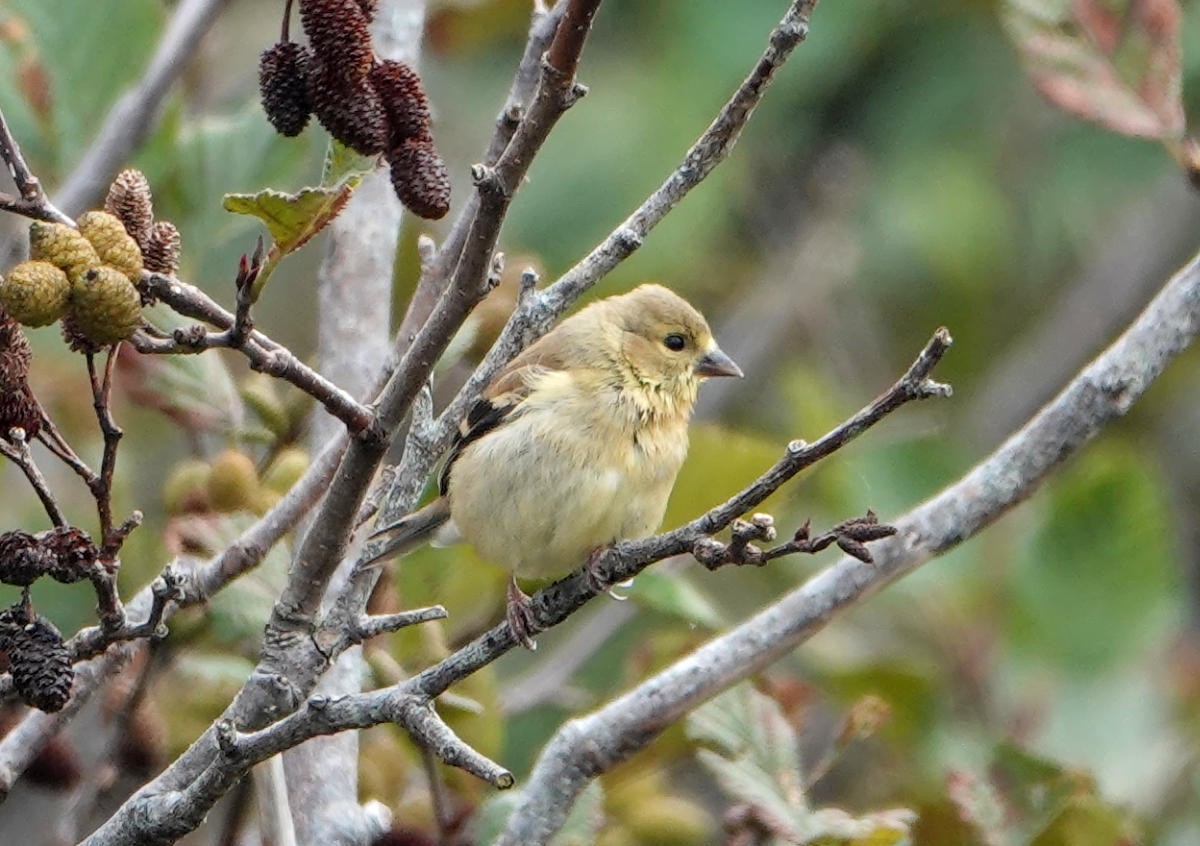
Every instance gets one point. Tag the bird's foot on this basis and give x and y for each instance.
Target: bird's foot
(597, 581)
(518, 612)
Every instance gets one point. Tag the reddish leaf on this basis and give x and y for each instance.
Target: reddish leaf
(1114, 62)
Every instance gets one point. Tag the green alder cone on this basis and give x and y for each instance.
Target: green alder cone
(35, 293)
(105, 307)
(63, 247)
(113, 244)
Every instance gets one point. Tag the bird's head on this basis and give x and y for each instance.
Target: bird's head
(665, 342)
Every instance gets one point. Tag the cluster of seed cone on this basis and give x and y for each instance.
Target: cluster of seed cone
(88, 276)
(370, 106)
(38, 659)
(64, 553)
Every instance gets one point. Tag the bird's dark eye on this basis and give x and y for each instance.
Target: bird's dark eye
(674, 342)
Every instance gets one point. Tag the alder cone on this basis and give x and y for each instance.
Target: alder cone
(22, 559)
(35, 293)
(130, 202)
(162, 252)
(339, 38)
(419, 178)
(353, 116)
(75, 337)
(105, 306)
(37, 660)
(282, 69)
(72, 551)
(18, 409)
(14, 355)
(404, 101)
(114, 245)
(63, 247)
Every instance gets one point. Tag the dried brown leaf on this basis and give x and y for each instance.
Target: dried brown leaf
(1117, 63)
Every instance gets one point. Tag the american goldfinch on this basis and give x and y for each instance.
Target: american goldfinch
(575, 445)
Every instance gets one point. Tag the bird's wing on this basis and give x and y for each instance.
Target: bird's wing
(499, 400)
(409, 532)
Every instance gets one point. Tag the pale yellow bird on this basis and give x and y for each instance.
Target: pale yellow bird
(574, 445)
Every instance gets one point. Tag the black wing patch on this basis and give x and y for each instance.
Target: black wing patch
(484, 416)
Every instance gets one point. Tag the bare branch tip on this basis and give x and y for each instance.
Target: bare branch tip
(929, 389)
(628, 239)
(227, 738)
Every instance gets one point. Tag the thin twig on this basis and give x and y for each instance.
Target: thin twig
(248, 270)
(16, 449)
(435, 275)
(31, 200)
(542, 26)
(165, 815)
(53, 440)
(322, 715)
(710, 149)
(164, 590)
(102, 404)
(370, 626)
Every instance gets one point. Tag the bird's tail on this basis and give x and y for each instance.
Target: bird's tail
(409, 532)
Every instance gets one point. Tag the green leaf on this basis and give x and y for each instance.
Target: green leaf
(292, 219)
(677, 595)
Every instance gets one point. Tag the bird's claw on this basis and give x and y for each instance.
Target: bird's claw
(518, 612)
(596, 581)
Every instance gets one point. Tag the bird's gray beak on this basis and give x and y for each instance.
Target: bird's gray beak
(716, 363)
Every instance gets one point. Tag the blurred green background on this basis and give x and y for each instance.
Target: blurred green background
(901, 174)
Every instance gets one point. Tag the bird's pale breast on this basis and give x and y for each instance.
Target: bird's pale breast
(542, 496)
